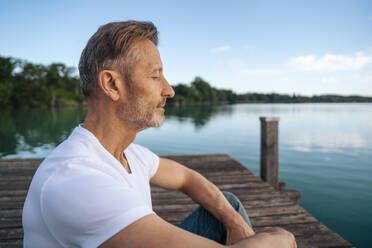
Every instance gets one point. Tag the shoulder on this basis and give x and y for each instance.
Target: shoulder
(73, 147)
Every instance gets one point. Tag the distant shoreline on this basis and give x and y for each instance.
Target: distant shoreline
(177, 105)
(24, 84)
(248, 102)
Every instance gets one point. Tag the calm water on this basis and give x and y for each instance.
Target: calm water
(325, 149)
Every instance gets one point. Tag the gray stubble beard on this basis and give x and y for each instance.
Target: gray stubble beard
(140, 114)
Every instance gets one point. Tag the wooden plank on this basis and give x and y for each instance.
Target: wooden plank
(10, 213)
(14, 185)
(11, 233)
(12, 243)
(283, 219)
(9, 206)
(10, 222)
(12, 199)
(269, 202)
(273, 211)
(13, 192)
(180, 198)
(13, 177)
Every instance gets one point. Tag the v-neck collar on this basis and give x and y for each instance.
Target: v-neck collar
(83, 131)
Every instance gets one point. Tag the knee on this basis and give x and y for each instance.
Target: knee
(233, 199)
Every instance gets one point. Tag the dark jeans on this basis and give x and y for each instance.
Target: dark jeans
(203, 223)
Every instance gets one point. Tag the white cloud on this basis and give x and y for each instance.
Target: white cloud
(327, 80)
(330, 62)
(220, 49)
(245, 74)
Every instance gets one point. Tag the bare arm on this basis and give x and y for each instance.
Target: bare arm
(172, 175)
(152, 231)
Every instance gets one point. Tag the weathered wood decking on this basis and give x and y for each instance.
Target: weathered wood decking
(265, 205)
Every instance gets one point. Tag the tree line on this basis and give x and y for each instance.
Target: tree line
(200, 91)
(35, 85)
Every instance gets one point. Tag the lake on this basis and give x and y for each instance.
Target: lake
(325, 150)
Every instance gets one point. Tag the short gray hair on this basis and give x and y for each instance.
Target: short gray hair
(110, 47)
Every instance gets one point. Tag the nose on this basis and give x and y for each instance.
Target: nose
(168, 90)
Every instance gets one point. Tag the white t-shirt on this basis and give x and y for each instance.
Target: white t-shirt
(80, 195)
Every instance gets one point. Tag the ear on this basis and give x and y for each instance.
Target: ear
(108, 82)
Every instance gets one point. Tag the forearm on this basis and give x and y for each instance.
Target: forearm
(211, 198)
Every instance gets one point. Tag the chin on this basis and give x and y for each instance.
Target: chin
(158, 120)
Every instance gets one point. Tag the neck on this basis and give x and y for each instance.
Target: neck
(114, 135)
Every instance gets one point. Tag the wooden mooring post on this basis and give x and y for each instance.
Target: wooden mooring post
(269, 162)
(269, 169)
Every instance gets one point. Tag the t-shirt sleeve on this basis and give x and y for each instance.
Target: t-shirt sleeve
(86, 210)
(150, 159)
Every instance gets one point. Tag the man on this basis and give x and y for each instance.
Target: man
(93, 189)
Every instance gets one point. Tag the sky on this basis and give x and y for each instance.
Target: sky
(302, 47)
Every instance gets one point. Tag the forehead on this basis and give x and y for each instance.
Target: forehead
(149, 57)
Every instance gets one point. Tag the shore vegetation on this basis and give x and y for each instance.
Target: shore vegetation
(26, 84)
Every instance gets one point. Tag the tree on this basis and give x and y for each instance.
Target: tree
(206, 92)
(7, 66)
(34, 85)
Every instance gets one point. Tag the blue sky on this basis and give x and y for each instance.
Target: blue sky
(302, 47)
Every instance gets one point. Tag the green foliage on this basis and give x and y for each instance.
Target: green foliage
(24, 84)
(7, 66)
(201, 91)
(207, 93)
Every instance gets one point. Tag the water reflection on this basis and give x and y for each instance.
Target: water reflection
(27, 129)
(199, 115)
(331, 142)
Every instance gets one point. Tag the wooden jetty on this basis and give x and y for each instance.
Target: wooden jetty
(265, 205)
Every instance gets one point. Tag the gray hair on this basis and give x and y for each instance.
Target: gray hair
(111, 46)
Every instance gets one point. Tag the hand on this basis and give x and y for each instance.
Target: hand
(238, 233)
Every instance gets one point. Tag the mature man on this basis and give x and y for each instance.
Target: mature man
(93, 189)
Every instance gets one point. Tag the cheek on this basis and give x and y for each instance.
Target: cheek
(148, 88)
(152, 91)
